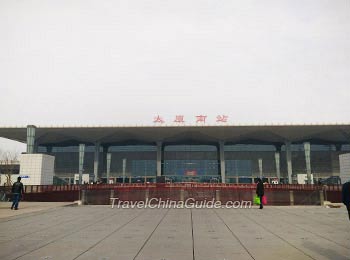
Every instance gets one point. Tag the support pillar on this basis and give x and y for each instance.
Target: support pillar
(105, 149)
(334, 157)
(81, 162)
(31, 139)
(159, 158)
(260, 168)
(96, 160)
(289, 161)
(108, 164)
(278, 165)
(124, 171)
(307, 149)
(222, 161)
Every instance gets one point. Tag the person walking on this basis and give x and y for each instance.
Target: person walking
(260, 191)
(17, 191)
(346, 196)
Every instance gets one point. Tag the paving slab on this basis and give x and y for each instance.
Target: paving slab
(260, 243)
(128, 241)
(312, 245)
(99, 232)
(26, 207)
(172, 239)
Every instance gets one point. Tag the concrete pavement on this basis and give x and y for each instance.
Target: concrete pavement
(99, 232)
(28, 207)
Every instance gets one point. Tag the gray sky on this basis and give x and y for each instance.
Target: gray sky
(123, 62)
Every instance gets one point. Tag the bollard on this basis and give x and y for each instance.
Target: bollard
(217, 195)
(83, 197)
(321, 197)
(291, 197)
(111, 195)
(147, 195)
(182, 195)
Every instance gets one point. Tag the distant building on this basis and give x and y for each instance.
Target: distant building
(230, 154)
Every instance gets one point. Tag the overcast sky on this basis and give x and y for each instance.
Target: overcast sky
(124, 62)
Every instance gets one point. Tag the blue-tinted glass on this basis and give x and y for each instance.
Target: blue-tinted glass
(238, 168)
(143, 167)
(191, 167)
(249, 148)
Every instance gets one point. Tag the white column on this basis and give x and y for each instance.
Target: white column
(289, 161)
(307, 149)
(278, 165)
(159, 158)
(81, 162)
(222, 161)
(260, 168)
(96, 160)
(105, 149)
(109, 159)
(124, 171)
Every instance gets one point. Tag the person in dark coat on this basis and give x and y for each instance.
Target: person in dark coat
(17, 191)
(346, 196)
(260, 191)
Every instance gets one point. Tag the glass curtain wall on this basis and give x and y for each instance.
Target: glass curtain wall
(242, 162)
(191, 163)
(133, 163)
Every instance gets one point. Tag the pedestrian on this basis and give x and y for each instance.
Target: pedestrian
(346, 196)
(17, 191)
(260, 191)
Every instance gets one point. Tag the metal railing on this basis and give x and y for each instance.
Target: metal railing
(282, 194)
(76, 187)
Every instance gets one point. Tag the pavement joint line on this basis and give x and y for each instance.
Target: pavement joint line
(113, 232)
(39, 230)
(323, 222)
(234, 235)
(268, 230)
(295, 225)
(44, 212)
(66, 235)
(37, 220)
(149, 237)
(295, 214)
(29, 214)
(193, 250)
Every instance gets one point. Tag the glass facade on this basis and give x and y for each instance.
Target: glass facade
(142, 168)
(200, 163)
(238, 168)
(191, 163)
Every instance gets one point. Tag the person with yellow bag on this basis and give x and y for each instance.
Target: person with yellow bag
(259, 192)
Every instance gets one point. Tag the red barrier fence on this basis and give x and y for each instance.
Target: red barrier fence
(282, 194)
(302, 187)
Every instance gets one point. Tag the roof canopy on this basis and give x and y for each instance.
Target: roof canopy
(269, 134)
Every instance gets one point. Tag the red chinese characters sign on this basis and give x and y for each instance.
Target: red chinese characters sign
(179, 119)
(199, 119)
(158, 119)
(221, 118)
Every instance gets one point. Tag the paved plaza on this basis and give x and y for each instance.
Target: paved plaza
(100, 232)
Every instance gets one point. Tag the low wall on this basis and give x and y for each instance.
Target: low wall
(101, 194)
